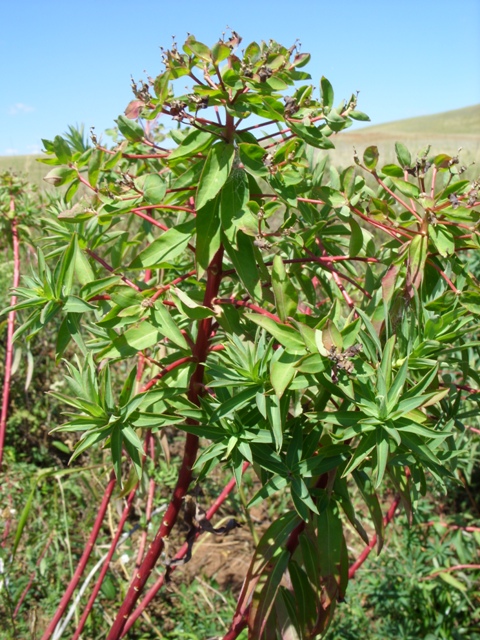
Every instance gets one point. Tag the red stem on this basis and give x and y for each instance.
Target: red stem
(10, 330)
(248, 305)
(444, 276)
(106, 564)
(366, 552)
(457, 567)
(152, 592)
(84, 559)
(111, 269)
(32, 576)
(150, 444)
(214, 276)
(396, 197)
(165, 370)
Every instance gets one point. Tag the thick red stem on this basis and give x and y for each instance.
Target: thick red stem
(214, 276)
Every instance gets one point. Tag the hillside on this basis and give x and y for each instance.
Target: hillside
(443, 132)
(464, 122)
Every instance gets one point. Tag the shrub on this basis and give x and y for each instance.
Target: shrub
(277, 315)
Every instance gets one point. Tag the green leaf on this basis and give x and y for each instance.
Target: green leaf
(245, 264)
(189, 307)
(165, 248)
(443, 239)
(359, 115)
(167, 326)
(233, 206)
(370, 329)
(282, 370)
(251, 156)
(66, 269)
(235, 403)
(356, 238)
(382, 449)
(131, 130)
(287, 336)
(363, 450)
(62, 149)
(208, 234)
(215, 172)
(403, 155)
(195, 142)
(326, 92)
(264, 599)
(132, 341)
(154, 189)
(116, 440)
(406, 188)
(367, 491)
(370, 157)
(286, 296)
(91, 289)
(393, 170)
(59, 176)
(275, 419)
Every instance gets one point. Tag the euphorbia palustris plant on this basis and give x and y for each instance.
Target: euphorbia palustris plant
(286, 315)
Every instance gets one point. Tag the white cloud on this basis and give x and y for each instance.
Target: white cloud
(20, 107)
(34, 148)
(10, 152)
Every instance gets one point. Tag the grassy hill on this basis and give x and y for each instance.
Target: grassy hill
(444, 132)
(464, 122)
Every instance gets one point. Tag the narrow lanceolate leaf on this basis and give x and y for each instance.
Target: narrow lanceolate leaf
(233, 206)
(286, 296)
(165, 248)
(264, 598)
(270, 546)
(243, 260)
(287, 336)
(208, 234)
(215, 172)
(167, 327)
(417, 255)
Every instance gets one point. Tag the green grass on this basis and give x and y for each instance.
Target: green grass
(28, 165)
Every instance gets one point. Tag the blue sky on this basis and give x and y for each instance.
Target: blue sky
(67, 63)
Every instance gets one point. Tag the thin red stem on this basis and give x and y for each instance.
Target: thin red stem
(32, 576)
(248, 305)
(106, 564)
(457, 567)
(112, 270)
(10, 330)
(444, 276)
(366, 552)
(155, 588)
(84, 559)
